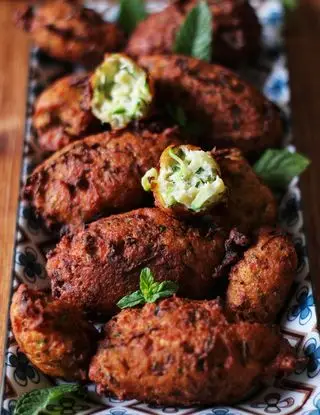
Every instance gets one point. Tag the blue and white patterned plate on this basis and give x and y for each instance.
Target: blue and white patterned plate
(296, 394)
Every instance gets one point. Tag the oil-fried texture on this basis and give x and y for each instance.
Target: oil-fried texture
(261, 281)
(98, 175)
(229, 112)
(66, 30)
(61, 114)
(236, 31)
(95, 267)
(250, 203)
(54, 336)
(182, 352)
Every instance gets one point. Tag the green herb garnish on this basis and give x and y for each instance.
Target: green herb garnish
(37, 401)
(130, 14)
(194, 37)
(277, 167)
(150, 291)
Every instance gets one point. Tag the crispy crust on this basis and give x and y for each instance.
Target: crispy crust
(65, 30)
(54, 336)
(236, 31)
(182, 352)
(261, 281)
(230, 112)
(61, 114)
(98, 175)
(95, 267)
(250, 203)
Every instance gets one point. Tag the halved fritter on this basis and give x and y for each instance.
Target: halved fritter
(62, 115)
(186, 182)
(250, 203)
(95, 267)
(54, 336)
(98, 175)
(236, 31)
(228, 111)
(180, 352)
(65, 30)
(261, 281)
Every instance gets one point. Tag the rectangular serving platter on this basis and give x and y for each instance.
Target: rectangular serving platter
(296, 394)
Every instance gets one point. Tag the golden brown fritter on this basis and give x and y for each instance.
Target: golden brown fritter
(54, 336)
(98, 175)
(229, 112)
(236, 31)
(97, 266)
(250, 203)
(61, 114)
(261, 281)
(66, 30)
(182, 352)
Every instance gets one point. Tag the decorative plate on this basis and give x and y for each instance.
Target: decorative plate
(296, 394)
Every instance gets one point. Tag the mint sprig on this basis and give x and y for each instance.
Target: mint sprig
(37, 401)
(277, 167)
(150, 291)
(130, 14)
(194, 37)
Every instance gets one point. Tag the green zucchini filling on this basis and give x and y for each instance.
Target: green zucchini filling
(190, 178)
(121, 92)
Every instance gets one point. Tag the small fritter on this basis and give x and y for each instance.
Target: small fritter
(98, 175)
(261, 281)
(187, 181)
(121, 91)
(54, 336)
(236, 31)
(250, 203)
(65, 30)
(182, 352)
(95, 267)
(61, 114)
(229, 112)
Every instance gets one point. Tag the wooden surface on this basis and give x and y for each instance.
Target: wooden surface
(304, 61)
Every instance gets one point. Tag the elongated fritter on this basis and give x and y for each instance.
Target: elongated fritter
(250, 203)
(182, 352)
(97, 266)
(236, 31)
(229, 112)
(65, 30)
(98, 175)
(61, 114)
(54, 336)
(261, 281)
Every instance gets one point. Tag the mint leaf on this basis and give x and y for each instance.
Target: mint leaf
(146, 282)
(194, 37)
(130, 14)
(277, 167)
(36, 401)
(290, 4)
(131, 300)
(179, 116)
(150, 291)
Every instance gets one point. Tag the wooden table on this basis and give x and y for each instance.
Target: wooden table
(303, 40)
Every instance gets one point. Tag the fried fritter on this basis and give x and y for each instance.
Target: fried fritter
(229, 112)
(236, 31)
(54, 336)
(65, 30)
(261, 281)
(95, 267)
(250, 203)
(182, 352)
(186, 182)
(98, 175)
(61, 114)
